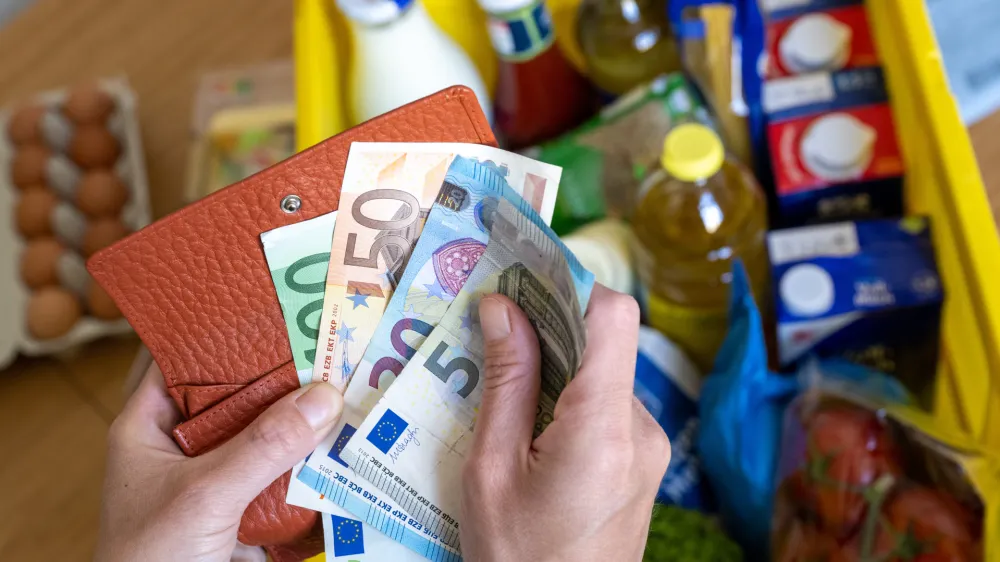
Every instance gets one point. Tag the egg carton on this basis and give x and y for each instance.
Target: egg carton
(15, 294)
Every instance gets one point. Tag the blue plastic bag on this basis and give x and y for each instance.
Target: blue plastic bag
(741, 408)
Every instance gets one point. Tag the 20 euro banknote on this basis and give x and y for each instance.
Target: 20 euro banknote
(413, 443)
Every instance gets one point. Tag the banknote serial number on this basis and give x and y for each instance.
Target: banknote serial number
(403, 485)
(380, 504)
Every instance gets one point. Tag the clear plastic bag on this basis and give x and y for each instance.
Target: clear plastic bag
(864, 481)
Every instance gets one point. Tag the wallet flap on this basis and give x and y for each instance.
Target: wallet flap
(196, 286)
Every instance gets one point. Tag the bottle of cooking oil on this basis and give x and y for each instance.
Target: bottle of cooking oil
(626, 42)
(697, 214)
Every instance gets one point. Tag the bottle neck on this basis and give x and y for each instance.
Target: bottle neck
(522, 34)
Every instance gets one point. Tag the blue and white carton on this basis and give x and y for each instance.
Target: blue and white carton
(668, 384)
(868, 292)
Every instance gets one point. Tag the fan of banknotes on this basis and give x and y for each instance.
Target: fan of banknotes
(381, 301)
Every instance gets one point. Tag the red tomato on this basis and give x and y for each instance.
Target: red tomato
(928, 526)
(848, 450)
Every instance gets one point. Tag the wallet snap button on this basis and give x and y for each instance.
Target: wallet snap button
(291, 204)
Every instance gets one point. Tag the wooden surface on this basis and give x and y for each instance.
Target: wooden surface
(56, 411)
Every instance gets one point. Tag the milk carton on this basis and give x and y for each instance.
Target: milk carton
(668, 384)
(866, 291)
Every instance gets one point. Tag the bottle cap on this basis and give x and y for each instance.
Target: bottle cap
(692, 152)
(816, 42)
(373, 12)
(807, 290)
(838, 147)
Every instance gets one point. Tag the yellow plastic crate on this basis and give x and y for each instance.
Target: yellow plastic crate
(943, 179)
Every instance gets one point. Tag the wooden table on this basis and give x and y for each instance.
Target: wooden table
(50, 510)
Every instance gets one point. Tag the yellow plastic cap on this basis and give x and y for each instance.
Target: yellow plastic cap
(692, 152)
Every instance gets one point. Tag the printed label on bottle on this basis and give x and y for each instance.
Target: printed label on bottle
(699, 331)
(523, 34)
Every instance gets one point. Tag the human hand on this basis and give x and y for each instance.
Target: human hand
(584, 489)
(161, 505)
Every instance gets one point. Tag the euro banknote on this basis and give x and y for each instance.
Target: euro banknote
(347, 539)
(452, 241)
(298, 256)
(387, 192)
(413, 443)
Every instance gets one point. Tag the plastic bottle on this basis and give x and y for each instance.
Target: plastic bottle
(401, 55)
(626, 42)
(539, 93)
(697, 214)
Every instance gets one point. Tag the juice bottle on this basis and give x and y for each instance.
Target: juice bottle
(626, 42)
(539, 94)
(697, 214)
(401, 55)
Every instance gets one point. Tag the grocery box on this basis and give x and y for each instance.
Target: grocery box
(943, 180)
(72, 180)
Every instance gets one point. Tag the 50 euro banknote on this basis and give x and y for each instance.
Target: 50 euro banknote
(387, 193)
(413, 443)
(453, 240)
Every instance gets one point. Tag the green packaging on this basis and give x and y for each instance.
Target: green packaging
(604, 159)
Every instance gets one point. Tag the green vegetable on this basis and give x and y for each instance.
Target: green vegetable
(682, 535)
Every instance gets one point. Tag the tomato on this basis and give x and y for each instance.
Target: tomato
(928, 526)
(848, 450)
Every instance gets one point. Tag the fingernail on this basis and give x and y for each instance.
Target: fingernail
(320, 405)
(495, 318)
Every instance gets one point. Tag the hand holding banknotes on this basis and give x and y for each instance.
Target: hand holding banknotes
(584, 489)
(160, 505)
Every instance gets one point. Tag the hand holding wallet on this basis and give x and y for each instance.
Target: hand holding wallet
(196, 288)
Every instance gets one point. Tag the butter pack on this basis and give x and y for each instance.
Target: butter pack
(834, 150)
(868, 292)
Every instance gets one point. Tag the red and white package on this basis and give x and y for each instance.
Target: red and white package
(820, 41)
(845, 146)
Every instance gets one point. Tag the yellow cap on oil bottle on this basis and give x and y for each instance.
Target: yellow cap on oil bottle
(692, 152)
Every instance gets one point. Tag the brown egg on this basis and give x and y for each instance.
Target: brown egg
(100, 304)
(102, 233)
(28, 167)
(39, 262)
(88, 105)
(34, 212)
(52, 312)
(25, 126)
(101, 193)
(93, 146)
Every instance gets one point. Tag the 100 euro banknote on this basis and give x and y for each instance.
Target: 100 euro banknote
(452, 241)
(413, 443)
(298, 256)
(387, 192)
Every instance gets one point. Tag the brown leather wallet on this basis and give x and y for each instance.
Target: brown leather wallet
(196, 288)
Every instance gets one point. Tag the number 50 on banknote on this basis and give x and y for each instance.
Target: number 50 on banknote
(387, 192)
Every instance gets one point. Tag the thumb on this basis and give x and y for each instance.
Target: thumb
(280, 437)
(511, 384)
